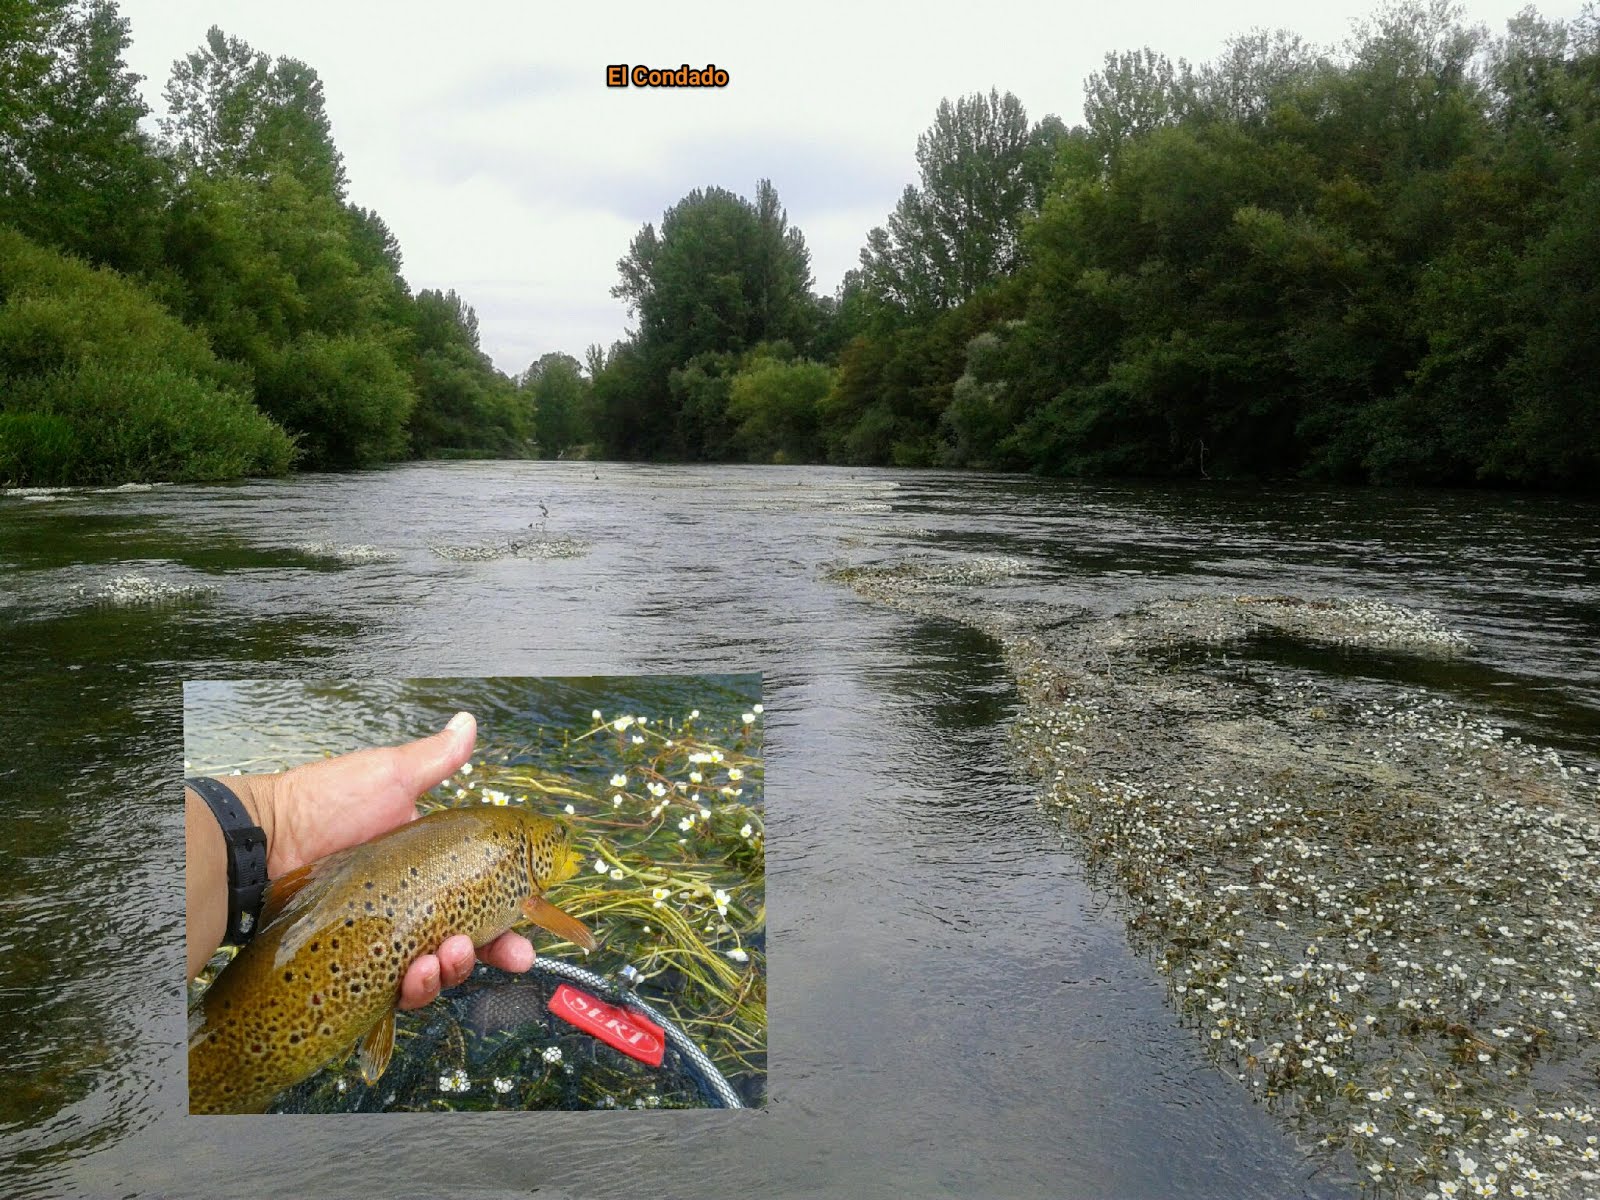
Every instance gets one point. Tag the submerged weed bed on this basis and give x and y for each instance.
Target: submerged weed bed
(667, 817)
(673, 881)
(1380, 914)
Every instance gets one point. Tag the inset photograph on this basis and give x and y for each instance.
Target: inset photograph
(475, 894)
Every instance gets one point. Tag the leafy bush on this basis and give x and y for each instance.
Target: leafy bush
(101, 385)
(100, 423)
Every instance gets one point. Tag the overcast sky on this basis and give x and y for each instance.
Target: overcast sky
(484, 134)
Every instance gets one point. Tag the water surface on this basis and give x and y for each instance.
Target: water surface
(953, 1009)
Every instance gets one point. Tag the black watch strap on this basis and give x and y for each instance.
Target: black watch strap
(247, 857)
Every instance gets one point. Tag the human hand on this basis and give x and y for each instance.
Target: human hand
(316, 808)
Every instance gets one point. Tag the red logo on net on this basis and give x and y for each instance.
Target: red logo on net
(630, 1032)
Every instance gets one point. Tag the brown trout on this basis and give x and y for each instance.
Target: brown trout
(337, 935)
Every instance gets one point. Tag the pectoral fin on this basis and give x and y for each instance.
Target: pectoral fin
(376, 1048)
(547, 916)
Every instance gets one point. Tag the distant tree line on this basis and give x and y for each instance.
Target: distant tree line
(1380, 264)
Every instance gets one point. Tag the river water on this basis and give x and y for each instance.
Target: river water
(953, 1009)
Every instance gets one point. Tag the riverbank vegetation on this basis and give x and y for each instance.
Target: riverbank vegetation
(1374, 263)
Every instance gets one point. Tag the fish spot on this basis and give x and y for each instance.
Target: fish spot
(316, 998)
(288, 976)
(388, 912)
(413, 872)
(315, 946)
(371, 907)
(355, 987)
(294, 1039)
(349, 921)
(369, 885)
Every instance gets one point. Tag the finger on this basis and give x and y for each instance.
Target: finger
(456, 957)
(510, 952)
(421, 983)
(429, 761)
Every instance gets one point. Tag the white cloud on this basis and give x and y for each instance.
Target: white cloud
(484, 134)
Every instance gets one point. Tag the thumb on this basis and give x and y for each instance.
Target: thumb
(431, 760)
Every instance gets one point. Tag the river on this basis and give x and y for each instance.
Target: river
(954, 1010)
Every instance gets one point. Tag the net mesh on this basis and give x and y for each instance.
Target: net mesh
(493, 1043)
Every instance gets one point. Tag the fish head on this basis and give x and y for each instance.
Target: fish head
(551, 858)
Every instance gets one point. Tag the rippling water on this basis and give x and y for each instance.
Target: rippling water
(953, 1010)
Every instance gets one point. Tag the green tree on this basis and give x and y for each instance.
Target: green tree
(723, 275)
(1137, 91)
(76, 171)
(463, 403)
(960, 229)
(558, 393)
(773, 405)
(231, 110)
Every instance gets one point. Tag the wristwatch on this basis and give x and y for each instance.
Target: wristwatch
(247, 857)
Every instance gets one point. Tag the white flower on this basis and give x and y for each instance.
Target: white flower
(745, 831)
(621, 723)
(502, 1085)
(616, 801)
(466, 768)
(596, 715)
(748, 718)
(735, 773)
(738, 955)
(696, 777)
(571, 812)
(720, 898)
(694, 714)
(616, 872)
(620, 780)
(756, 708)
(638, 740)
(687, 823)
(552, 1054)
(600, 866)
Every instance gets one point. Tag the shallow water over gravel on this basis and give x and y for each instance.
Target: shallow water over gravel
(954, 1010)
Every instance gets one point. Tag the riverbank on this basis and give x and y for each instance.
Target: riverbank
(1376, 910)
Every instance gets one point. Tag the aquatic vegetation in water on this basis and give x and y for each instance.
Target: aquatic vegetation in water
(667, 824)
(131, 589)
(353, 555)
(1381, 916)
(530, 547)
